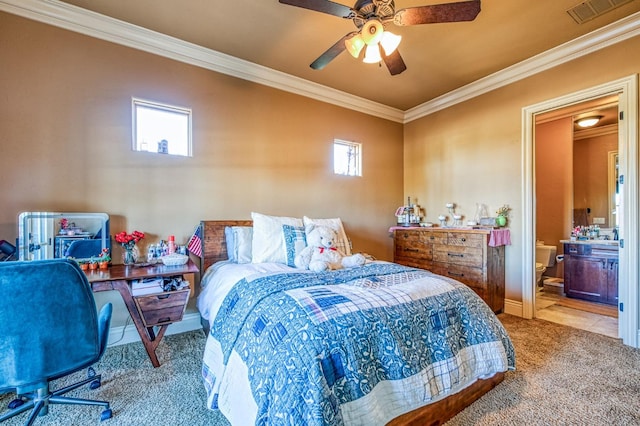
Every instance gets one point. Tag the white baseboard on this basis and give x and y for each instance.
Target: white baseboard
(513, 307)
(128, 333)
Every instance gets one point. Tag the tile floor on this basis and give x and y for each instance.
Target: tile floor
(547, 309)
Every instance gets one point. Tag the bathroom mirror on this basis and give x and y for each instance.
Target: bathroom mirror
(50, 235)
(595, 158)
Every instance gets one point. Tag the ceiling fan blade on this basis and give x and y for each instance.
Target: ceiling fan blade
(447, 12)
(394, 62)
(332, 52)
(323, 6)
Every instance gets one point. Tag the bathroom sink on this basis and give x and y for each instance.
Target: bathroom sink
(592, 242)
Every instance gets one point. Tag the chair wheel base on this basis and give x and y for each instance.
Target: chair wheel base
(16, 403)
(95, 384)
(106, 414)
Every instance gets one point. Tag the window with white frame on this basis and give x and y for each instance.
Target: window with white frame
(347, 158)
(161, 128)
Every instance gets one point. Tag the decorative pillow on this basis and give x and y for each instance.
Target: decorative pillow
(239, 240)
(268, 242)
(343, 243)
(295, 240)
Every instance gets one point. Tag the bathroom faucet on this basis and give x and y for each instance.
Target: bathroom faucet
(615, 234)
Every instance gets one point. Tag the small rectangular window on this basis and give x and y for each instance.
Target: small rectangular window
(160, 128)
(347, 158)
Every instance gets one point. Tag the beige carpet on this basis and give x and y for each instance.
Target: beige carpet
(564, 376)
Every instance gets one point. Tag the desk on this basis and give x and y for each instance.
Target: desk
(119, 277)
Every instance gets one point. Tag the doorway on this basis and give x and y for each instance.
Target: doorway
(627, 92)
(572, 191)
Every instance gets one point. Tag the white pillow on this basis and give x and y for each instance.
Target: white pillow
(268, 243)
(238, 240)
(343, 243)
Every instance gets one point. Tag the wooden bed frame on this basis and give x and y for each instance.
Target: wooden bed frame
(214, 249)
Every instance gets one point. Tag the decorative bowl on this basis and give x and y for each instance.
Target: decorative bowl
(174, 259)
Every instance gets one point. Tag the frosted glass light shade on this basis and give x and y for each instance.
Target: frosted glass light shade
(589, 121)
(372, 54)
(354, 45)
(390, 42)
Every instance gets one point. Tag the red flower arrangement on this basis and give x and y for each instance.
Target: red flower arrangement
(129, 240)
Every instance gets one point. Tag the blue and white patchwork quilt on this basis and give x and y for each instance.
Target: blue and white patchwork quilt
(354, 346)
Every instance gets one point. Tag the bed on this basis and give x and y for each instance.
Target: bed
(378, 344)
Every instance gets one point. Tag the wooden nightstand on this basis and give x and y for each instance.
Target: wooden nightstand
(162, 308)
(151, 313)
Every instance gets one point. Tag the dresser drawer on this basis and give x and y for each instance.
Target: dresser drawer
(465, 239)
(473, 277)
(162, 308)
(412, 245)
(459, 255)
(414, 263)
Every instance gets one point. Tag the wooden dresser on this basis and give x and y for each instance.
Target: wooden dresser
(462, 254)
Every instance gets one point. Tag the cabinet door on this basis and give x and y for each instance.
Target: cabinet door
(612, 282)
(586, 278)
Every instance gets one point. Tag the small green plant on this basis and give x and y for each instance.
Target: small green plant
(104, 255)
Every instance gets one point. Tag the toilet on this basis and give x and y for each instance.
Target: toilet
(545, 257)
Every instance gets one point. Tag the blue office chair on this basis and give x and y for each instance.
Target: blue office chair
(50, 329)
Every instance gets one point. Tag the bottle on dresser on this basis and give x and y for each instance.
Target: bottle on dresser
(171, 245)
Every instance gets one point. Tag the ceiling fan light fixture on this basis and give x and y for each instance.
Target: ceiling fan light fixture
(354, 45)
(390, 42)
(372, 54)
(589, 121)
(372, 32)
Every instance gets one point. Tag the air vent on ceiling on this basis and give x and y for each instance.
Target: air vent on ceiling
(590, 9)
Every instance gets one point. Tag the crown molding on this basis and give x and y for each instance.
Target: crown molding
(594, 132)
(73, 18)
(606, 36)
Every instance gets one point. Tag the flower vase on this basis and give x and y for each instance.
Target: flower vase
(501, 220)
(130, 255)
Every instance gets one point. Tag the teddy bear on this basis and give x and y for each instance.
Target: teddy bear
(321, 253)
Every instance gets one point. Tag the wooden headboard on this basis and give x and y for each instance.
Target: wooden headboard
(214, 246)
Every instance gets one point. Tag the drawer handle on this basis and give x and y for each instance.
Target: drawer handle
(455, 255)
(163, 296)
(463, 239)
(432, 237)
(410, 249)
(167, 319)
(453, 274)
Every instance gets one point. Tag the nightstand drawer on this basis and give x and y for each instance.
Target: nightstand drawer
(162, 308)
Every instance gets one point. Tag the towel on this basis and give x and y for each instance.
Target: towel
(499, 237)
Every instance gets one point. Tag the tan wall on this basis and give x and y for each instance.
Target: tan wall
(65, 135)
(472, 152)
(554, 183)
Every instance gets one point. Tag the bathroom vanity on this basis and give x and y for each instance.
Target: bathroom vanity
(591, 270)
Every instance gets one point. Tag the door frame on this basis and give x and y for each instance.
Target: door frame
(627, 91)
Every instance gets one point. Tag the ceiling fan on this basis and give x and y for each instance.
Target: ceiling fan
(371, 17)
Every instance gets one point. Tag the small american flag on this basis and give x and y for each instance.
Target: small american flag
(195, 243)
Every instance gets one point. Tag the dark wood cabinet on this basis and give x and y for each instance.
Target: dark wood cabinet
(464, 255)
(591, 272)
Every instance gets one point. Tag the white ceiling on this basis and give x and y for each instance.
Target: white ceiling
(440, 58)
